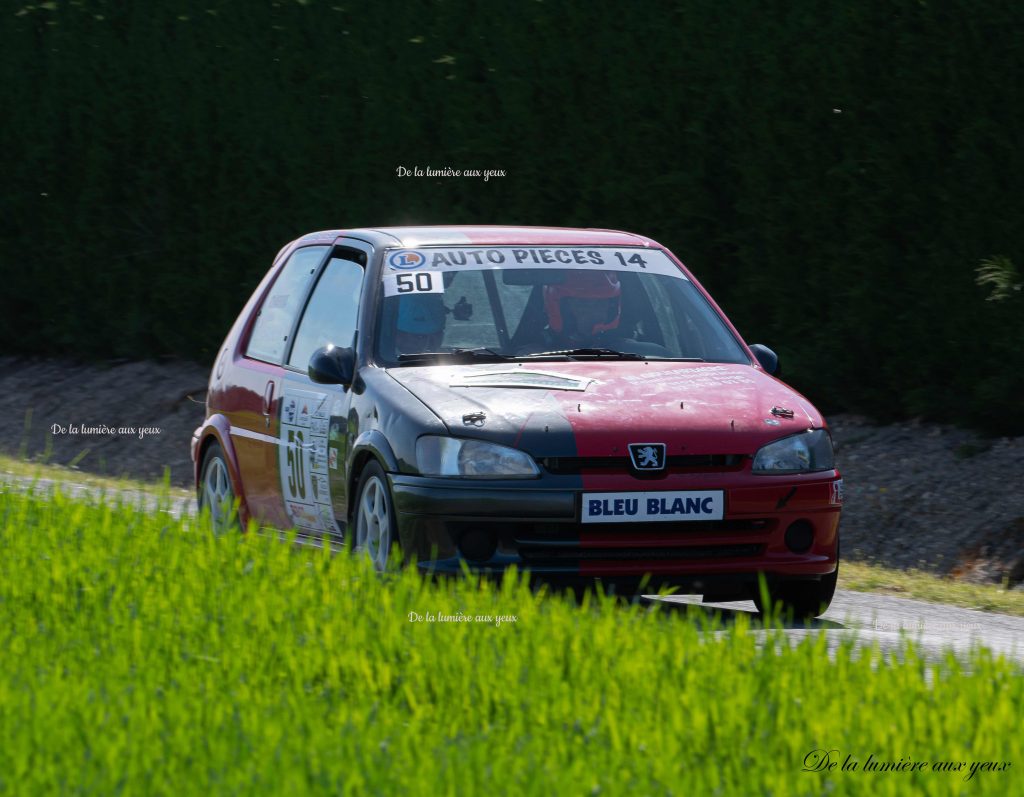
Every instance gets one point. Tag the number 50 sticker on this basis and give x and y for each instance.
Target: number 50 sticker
(413, 282)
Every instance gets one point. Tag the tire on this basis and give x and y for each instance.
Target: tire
(805, 599)
(215, 492)
(374, 529)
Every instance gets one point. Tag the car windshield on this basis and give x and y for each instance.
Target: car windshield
(535, 302)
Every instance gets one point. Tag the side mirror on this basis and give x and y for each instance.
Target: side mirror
(330, 365)
(769, 360)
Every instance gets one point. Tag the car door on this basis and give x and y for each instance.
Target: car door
(255, 413)
(313, 434)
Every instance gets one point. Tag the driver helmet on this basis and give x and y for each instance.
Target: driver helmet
(584, 284)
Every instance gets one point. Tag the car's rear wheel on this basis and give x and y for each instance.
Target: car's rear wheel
(805, 599)
(215, 491)
(374, 522)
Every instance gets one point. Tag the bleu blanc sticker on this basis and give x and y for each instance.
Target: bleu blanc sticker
(656, 506)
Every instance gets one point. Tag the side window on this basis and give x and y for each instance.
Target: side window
(330, 316)
(274, 322)
(700, 331)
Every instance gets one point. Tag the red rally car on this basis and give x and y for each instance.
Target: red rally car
(568, 400)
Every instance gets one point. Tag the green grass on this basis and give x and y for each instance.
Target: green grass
(930, 587)
(144, 655)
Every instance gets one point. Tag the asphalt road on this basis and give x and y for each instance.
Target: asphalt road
(865, 617)
(149, 500)
(869, 618)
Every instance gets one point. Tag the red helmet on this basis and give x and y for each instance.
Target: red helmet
(584, 284)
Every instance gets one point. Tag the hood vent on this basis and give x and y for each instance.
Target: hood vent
(520, 378)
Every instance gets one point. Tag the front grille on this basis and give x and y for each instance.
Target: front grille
(565, 466)
(535, 554)
(561, 544)
(545, 533)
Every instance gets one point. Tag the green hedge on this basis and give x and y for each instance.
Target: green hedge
(835, 173)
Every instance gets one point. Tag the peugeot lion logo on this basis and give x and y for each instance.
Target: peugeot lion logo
(647, 456)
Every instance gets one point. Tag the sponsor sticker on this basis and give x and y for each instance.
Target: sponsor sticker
(304, 516)
(675, 506)
(321, 491)
(321, 408)
(837, 491)
(652, 261)
(418, 282)
(406, 259)
(332, 458)
(302, 458)
(695, 378)
(318, 455)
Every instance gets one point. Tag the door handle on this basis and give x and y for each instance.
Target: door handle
(268, 400)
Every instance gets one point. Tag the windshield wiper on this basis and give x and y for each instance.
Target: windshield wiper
(481, 353)
(571, 354)
(587, 352)
(484, 354)
(480, 350)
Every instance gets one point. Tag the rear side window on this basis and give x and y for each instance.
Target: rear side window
(277, 315)
(330, 316)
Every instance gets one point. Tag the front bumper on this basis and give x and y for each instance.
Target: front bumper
(447, 525)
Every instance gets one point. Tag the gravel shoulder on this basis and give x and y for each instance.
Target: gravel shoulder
(934, 497)
(937, 498)
(83, 399)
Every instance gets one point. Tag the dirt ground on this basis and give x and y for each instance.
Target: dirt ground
(917, 495)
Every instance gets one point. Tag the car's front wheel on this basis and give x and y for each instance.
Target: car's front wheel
(215, 491)
(374, 522)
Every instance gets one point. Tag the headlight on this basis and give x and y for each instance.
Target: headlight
(801, 453)
(472, 459)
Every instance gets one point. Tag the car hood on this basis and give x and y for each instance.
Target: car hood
(597, 408)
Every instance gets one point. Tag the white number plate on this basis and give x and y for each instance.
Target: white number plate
(413, 282)
(653, 507)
